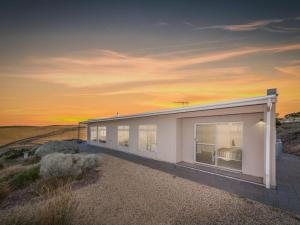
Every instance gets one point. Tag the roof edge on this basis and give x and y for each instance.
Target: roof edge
(219, 105)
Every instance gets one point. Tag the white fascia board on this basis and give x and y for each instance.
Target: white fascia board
(228, 104)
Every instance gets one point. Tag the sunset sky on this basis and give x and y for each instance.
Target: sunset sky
(66, 61)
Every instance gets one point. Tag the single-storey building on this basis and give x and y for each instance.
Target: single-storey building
(236, 136)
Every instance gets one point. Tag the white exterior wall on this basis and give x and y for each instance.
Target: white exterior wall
(252, 142)
(175, 135)
(166, 136)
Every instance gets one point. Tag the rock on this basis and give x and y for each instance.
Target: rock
(57, 146)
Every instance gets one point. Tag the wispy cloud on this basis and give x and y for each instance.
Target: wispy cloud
(290, 70)
(110, 67)
(162, 24)
(188, 23)
(293, 69)
(267, 25)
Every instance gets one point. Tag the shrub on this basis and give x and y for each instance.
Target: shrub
(24, 178)
(64, 165)
(90, 161)
(57, 146)
(58, 210)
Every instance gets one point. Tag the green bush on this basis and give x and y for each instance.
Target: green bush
(26, 177)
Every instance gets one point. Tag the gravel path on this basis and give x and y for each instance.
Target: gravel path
(128, 193)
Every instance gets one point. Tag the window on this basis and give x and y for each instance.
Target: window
(147, 138)
(220, 144)
(229, 145)
(102, 134)
(205, 143)
(93, 133)
(123, 136)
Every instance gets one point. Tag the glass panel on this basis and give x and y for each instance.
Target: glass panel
(205, 153)
(236, 134)
(152, 141)
(220, 144)
(205, 133)
(123, 136)
(143, 142)
(102, 134)
(229, 140)
(147, 138)
(93, 133)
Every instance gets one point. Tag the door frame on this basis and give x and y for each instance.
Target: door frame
(215, 165)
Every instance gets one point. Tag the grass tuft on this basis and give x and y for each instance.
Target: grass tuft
(52, 184)
(58, 210)
(26, 177)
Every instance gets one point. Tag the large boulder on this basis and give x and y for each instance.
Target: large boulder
(61, 165)
(57, 146)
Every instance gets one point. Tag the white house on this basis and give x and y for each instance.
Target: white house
(237, 136)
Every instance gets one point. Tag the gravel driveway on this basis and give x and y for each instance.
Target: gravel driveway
(128, 193)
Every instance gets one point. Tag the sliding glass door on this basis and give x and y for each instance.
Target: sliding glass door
(205, 143)
(219, 144)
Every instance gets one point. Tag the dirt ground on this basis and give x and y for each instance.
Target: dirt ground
(128, 193)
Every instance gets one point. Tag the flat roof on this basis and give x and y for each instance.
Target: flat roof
(225, 104)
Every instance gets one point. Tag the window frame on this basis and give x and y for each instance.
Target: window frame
(216, 123)
(99, 136)
(95, 128)
(123, 128)
(148, 132)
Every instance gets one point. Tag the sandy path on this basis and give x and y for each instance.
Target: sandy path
(129, 193)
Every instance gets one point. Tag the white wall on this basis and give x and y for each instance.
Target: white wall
(166, 136)
(175, 135)
(252, 144)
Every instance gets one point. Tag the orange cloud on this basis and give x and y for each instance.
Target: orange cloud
(107, 67)
(56, 90)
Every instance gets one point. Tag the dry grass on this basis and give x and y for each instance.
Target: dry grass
(52, 184)
(16, 177)
(24, 178)
(5, 175)
(11, 170)
(58, 209)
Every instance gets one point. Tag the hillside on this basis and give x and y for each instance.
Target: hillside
(18, 135)
(290, 137)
